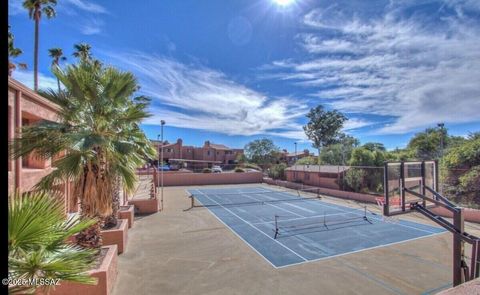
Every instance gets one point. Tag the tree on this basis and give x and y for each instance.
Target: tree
(277, 171)
(56, 54)
(37, 243)
(461, 172)
(261, 151)
(35, 9)
(307, 161)
(375, 146)
(427, 145)
(99, 130)
(323, 127)
(366, 173)
(13, 52)
(340, 152)
(82, 51)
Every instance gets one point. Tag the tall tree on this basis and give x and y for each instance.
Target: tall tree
(99, 130)
(56, 54)
(35, 9)
(428, 145)
(323, 127)
(82, 51)
(375, 146)
(261, 151)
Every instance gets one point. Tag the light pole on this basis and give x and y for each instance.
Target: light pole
(295, 162)
(162, 122)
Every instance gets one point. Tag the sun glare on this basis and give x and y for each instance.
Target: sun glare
(283, 2)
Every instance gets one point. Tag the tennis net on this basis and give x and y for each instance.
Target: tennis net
(293, 226)
(209, 199)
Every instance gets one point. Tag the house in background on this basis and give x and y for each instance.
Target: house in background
(197, 157)
(328, 176)
(291, 158)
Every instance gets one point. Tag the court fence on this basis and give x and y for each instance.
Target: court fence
(183, 178)
(361, 197)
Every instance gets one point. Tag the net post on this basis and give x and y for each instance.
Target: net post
(192, 201)
(276, 227)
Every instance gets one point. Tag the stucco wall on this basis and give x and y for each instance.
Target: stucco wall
(179, 179)
(313, 179)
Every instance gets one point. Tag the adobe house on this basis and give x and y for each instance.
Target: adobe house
(291, 158)
(208, 155)
(25, 107)
(328, 176)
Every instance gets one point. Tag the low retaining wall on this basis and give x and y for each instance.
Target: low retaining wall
(469, 214)
(181, 179)
(145, 206)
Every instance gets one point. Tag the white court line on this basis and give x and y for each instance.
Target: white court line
(300, 207)
(357, 213)
(365, 249)
(300, 218)
(293, 252)
(238, 235)
(431, 234)
(291, 212)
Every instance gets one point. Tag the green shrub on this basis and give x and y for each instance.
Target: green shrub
(207, 170)
(37, 243)
(277, 171)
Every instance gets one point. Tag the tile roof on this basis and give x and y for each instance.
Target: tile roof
(219, 146)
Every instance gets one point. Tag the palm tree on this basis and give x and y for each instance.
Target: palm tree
(35, 9)
(56, 54)
(100, 132)
(12, 53)
(37, 242)
(82, 51)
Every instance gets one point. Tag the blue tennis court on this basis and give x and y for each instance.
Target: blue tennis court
(288, 228)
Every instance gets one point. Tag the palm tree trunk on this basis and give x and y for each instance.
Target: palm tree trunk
(35, 53)
(112, 220)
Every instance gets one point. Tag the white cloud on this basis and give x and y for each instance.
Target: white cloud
(92, 26)
(87, 6)
(15, 6)
(202, 98)
(419, 69)
(26, 77)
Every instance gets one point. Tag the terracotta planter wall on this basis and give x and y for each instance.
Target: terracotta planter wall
(106, 274)
(117, 236)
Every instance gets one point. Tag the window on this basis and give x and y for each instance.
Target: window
(218, 153)
(208, 152)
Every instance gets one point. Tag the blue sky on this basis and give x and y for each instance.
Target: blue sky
(233, 71)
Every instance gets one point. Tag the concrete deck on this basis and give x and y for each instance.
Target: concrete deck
(192, 252)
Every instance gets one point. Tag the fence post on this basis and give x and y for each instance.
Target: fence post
(385, 187)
